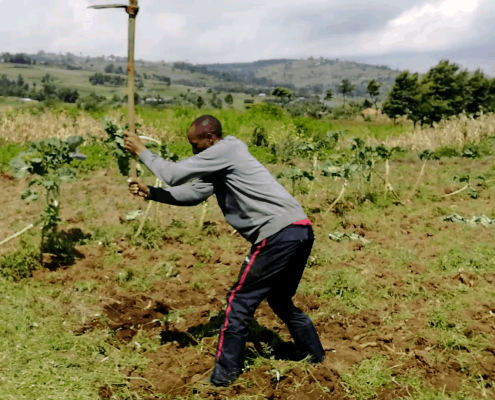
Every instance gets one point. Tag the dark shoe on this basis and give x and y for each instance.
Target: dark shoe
(207, 382)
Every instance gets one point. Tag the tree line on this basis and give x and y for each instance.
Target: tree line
(19, 58)
(19, 88)
(444, 91)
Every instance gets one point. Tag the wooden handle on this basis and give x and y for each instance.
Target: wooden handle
(130, 81)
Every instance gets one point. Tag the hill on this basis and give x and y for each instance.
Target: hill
(315, 75)
(311, 76)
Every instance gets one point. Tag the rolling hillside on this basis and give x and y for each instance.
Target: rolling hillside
(312, 76)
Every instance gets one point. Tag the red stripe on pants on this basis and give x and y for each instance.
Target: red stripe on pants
(303, 222)
(229, 306)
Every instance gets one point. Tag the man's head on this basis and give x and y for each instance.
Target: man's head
(204, 132)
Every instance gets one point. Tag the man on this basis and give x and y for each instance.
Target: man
(263, 212)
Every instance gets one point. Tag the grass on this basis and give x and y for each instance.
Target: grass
(364, 380)
(42, 358)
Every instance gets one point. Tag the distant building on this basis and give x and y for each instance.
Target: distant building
(262, 95)
(28, 100)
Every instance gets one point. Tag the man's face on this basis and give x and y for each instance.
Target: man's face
(199, 140)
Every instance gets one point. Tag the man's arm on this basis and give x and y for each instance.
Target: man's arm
(183, 195)
(214, 159)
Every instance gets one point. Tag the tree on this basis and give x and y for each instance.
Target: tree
(47, 78)
(20, 80)
(282, 93)
(367, 103)
(373, 91)
(110, 69)
(480, 94)
(200, 102)
(216, 102)
(346, 87)
(68, 95)
(329, 95)
(443, 92)
(229, 100)
(404, 98)
(119, 70)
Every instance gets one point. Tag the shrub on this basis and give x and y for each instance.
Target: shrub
(21, 263)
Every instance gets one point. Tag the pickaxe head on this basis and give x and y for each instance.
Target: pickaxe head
(131, 9)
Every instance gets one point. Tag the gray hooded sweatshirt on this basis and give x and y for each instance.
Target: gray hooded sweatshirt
(251, 199)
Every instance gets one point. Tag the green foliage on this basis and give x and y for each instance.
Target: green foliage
(404, 98)
(444, 91)
(373, 91)
(345, 285)
(328, 95)
(346, 87)
(481, 258)
(363, 380)
(7, 152)
(306, 108)
(21, 263)
(473, 183)
(282, 93)
(259, 137)
(92, 102)
(49, 162)
(266, 111)
(114, 143)
(296, 175)
(97, 158)
(229, 100)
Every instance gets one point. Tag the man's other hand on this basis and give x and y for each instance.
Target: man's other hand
(137, 187)
(133, 143)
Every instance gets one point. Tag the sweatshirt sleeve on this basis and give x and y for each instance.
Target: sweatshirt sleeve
(183, 195)
(216, 158)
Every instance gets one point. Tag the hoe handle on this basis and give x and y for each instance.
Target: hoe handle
(132, 10)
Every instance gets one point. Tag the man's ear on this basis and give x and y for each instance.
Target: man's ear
(210, 139)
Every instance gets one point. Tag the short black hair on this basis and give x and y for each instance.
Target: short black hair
(209, 124)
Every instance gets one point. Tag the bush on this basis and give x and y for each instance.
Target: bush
(266, 111)
(21, 263)
(93, 102)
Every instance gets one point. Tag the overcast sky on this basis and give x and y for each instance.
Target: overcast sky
(404, 34)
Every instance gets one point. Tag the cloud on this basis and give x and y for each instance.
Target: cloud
(247, 30)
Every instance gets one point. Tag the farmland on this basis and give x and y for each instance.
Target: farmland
(405, 311)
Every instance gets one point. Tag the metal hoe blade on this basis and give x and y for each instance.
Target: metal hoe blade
(131, 9)
(109, 6)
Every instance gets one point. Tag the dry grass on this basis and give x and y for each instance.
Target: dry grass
(455, 131)
(21, 126)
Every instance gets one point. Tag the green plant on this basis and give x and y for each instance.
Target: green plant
(114, 143)
(259, 137)
(20, 263)
(345, 285)
(49, 162)
(362, 381)
(471, 183)
(296, 175)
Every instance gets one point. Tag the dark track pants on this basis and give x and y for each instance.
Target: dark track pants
(272, 270)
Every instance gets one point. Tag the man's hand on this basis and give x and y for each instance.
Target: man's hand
(133, 143)
(137, 187)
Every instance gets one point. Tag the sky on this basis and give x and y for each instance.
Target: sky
(403, 34)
